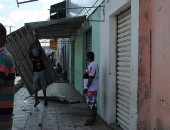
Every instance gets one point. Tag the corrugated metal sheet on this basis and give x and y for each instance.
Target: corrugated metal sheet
(19, 43)
(60, 28)
(123, 69)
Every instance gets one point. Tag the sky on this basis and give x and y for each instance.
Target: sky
(11, 15)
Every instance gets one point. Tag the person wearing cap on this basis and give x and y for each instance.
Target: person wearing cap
(39, 79)
(7, 77)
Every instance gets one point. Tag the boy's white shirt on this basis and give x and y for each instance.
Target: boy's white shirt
(93, 70)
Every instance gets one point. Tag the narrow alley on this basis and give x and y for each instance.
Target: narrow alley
(65, 111)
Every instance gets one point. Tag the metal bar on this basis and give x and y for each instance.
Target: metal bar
(26, 1)
(58, 42)
(96, 8)
(74, 8)
(83, 8)
(17, 3)
(88, 13)
(52, 36)
(96, 20)
(61, 29)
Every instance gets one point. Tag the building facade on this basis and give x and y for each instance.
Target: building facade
(130, 40)
(108, 23)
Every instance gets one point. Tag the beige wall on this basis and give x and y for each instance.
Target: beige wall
(160, 74)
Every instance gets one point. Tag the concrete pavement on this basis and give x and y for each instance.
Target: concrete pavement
(65, 111)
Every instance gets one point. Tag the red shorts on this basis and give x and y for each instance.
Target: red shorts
(91, 99)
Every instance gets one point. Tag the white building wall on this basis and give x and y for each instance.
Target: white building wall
(108, 58)
(134, 64)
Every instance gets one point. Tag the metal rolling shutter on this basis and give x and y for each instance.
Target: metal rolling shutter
(89, 40)
(123, 69)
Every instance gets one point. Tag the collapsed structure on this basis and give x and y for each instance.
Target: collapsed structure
(19, 43)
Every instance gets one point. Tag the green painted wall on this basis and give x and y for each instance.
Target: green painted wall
(80, 49)
(78, 63)
(96, 46)
(77, 52)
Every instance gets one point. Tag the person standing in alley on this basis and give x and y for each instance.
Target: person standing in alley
(90, 90)
(39, 80)
(7, 77)
(59, 68)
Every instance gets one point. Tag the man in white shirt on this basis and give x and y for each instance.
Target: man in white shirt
(90, 90)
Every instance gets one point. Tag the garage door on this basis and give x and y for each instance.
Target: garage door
(123, 69)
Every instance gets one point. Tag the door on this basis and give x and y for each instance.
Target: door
(88, 42)
(123, 69)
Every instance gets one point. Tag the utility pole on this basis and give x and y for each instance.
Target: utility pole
(10, 28)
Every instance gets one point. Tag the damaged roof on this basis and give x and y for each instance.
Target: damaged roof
(59, 28)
